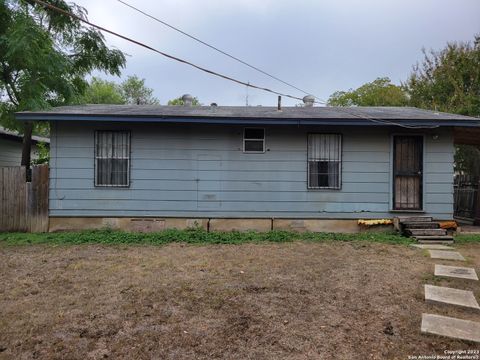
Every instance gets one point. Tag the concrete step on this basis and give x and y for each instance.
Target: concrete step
(404, 219)
(427, 232)
(441, 239)
(420, 225)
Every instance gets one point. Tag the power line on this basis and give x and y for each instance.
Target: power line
(212, 47)
(318, 100)
(208, 71)
(383, 121)
(163, 22)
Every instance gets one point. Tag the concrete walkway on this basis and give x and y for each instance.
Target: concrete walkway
(443, 325)
(450, 327)
(456, 272)
(445, 295)
(432, 246)
(446, 255)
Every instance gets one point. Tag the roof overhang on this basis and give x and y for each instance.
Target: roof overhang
(10, 137)
(253, 115)
(249, 121)
(13, 136)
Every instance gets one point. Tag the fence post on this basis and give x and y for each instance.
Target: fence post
(476, 220)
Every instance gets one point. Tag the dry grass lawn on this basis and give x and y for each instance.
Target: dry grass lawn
(299, 300)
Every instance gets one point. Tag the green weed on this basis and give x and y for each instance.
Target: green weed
(467, 238)
(194, 236)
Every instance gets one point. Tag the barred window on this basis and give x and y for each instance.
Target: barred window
(324, 161)
(112, 158)
(254, 140)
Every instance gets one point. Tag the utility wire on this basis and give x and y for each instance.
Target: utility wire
(211, 72)
(212, 47)
(208, 71)
(382, 121)
(318, 100)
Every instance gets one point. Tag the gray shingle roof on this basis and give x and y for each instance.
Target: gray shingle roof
(16, 136)
(253, 112)
(254, 115)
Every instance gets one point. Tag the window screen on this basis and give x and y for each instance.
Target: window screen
(112, 158)
(254, 140)
(324, 161)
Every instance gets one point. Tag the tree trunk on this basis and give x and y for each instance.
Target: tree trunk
(27, 149)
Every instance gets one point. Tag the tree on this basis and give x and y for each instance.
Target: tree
(449, 80)
(44, 57)
(135, 92)
(178, 101)
(380, 92)
(467, 160)
(130, 91)
(101, 91)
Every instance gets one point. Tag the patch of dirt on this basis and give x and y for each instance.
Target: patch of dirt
(295, 300)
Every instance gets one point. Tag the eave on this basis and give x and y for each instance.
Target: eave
(460, 123)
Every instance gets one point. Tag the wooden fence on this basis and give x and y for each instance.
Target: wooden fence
(24, 205)
(466, 197)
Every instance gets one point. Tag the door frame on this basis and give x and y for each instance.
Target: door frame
(391, 174)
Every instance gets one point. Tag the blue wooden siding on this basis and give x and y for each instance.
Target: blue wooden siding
(201, 171)
(10, 152)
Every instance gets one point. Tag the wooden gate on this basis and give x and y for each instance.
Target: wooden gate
(24, 206)
(466, 197)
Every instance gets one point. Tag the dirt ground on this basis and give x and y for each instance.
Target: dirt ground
(296, 300)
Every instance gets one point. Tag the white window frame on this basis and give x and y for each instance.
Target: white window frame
(337, 159)
(247, 139)
(128, 158)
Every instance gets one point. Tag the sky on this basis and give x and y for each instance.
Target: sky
(320, 46)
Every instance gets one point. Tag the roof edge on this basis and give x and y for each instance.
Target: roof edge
(15, 136)
(28, 116)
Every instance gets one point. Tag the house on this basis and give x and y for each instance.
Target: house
(11, 147)
(146, 167)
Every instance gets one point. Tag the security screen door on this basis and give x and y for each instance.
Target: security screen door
(407, 172)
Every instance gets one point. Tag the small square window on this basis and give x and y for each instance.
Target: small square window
(254, 140)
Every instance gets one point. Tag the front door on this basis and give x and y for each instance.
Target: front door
(407, 172)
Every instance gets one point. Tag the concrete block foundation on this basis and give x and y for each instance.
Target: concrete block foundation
(261, 225)
(317, 225)
(212, 224)
(125, 224)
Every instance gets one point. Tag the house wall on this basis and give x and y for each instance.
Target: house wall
(200, 171)
(11, 152)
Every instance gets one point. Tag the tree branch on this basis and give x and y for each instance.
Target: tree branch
(11, 91)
